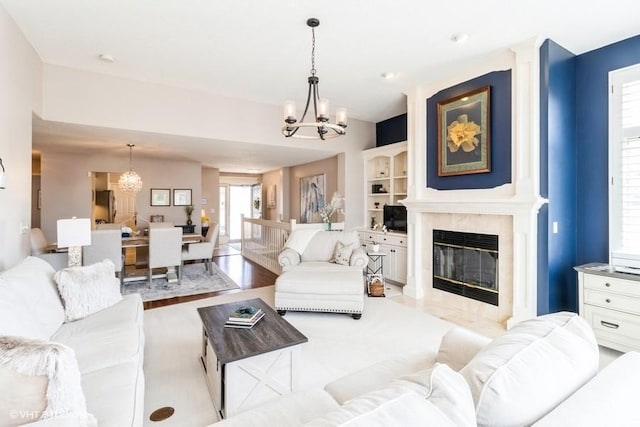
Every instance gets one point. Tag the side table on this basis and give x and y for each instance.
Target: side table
(375, 276)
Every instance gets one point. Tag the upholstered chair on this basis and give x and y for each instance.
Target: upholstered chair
(202, 250)
(39, 244)
(42, 249)
(165, 249)
(162, 225)
(105, 244)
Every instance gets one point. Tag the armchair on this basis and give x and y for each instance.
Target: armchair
(46, 251)
(321, 271)
(202, 250)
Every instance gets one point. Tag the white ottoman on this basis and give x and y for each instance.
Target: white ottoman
(326, 290)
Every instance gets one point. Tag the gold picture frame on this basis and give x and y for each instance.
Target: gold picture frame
(464, 134)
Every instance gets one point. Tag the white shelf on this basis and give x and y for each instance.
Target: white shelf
(379, 194)
(375, 210)
(382, 178)
(400, 194)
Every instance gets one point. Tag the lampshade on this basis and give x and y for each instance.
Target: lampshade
(74, 232)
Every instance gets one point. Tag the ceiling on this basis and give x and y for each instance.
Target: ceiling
(260, 50)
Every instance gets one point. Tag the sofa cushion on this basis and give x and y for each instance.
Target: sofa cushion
(386, 408)
(30, 305)
(438, 396)
(609, 399)
(363, 381)
(446, 389)
(343, 281)
(522, 375)
(57, 368)
(322, 244)
(292, 410)
(459, 346)
(342, 253)
(88, 289)
(115, 395)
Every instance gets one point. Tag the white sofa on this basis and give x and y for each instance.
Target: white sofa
(310, 282)
(108, 345)
(542, 372)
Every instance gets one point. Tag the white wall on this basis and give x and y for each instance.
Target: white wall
(66, 186)
(20, 96)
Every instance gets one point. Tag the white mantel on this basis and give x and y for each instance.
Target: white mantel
(519, 199)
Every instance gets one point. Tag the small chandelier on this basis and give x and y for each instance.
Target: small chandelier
(323, 128)
(130, 181)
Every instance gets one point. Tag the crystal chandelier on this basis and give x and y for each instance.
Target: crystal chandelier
(321, 128)
(130, 181)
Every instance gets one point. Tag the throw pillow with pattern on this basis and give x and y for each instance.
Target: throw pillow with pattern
(341, 254)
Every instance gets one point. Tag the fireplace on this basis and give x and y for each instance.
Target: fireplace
(466, 264)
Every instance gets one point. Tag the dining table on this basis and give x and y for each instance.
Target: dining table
(136, 242)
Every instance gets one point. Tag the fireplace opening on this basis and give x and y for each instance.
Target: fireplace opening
(466, 264)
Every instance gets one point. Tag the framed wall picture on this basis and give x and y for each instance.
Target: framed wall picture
(463, 134)
(312, 198)
(181, 197)
(160, 197)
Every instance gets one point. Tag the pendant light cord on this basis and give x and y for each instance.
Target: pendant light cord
(313, 51)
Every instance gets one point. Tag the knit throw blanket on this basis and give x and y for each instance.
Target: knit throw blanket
(58, 363)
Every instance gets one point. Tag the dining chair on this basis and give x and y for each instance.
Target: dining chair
(202, 250)
(165, 250)
(161, 225)
(105, 244)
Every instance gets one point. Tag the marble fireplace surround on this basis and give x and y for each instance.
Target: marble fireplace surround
(514, 220)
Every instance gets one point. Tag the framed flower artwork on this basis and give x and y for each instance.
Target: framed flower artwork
(463, 134)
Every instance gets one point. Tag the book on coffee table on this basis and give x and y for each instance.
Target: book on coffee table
(246, 313)
(244, 323)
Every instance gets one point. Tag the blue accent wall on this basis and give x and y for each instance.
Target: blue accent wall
(500, 131)
(391, 130)
(592, 81)
(557, 286)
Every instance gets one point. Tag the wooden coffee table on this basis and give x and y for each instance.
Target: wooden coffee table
(247, 367)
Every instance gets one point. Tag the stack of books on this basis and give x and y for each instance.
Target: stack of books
(244, 317)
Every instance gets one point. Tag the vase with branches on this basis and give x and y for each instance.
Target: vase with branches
(336, 205)
(189, 210)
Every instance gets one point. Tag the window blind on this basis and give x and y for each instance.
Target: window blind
(630, 164)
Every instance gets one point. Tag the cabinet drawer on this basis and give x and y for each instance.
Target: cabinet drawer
(612, 300)
(393, 240)
(612, 284)
(613, 327)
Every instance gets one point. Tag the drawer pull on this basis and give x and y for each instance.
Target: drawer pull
(609, 325)
(608, 285)
(607, 300)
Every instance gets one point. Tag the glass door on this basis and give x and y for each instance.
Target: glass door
(240, 203)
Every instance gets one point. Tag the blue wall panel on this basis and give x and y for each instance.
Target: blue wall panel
(557, 289)
(592, 79)
(500, 82)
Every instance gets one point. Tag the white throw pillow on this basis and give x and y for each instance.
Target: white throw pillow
(342, 254)
(522, 375)
(40, 380)
(87, 290)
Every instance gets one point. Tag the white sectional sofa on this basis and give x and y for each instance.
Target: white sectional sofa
(108, 347)
(542, 372)
(321, 271)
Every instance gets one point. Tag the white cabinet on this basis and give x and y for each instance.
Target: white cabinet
(385, 179)
(394, 246)
(610, 302)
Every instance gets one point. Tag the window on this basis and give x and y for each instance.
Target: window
(624, 160)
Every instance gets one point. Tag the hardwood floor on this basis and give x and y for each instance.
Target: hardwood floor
(245, 273)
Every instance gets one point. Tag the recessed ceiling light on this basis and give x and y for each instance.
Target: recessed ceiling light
(460, 37)
(388, 75)
(106, 58)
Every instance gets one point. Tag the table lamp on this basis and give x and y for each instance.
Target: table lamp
(73, 234)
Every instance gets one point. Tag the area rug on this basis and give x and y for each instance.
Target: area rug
(337, 345)
(195, 280)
